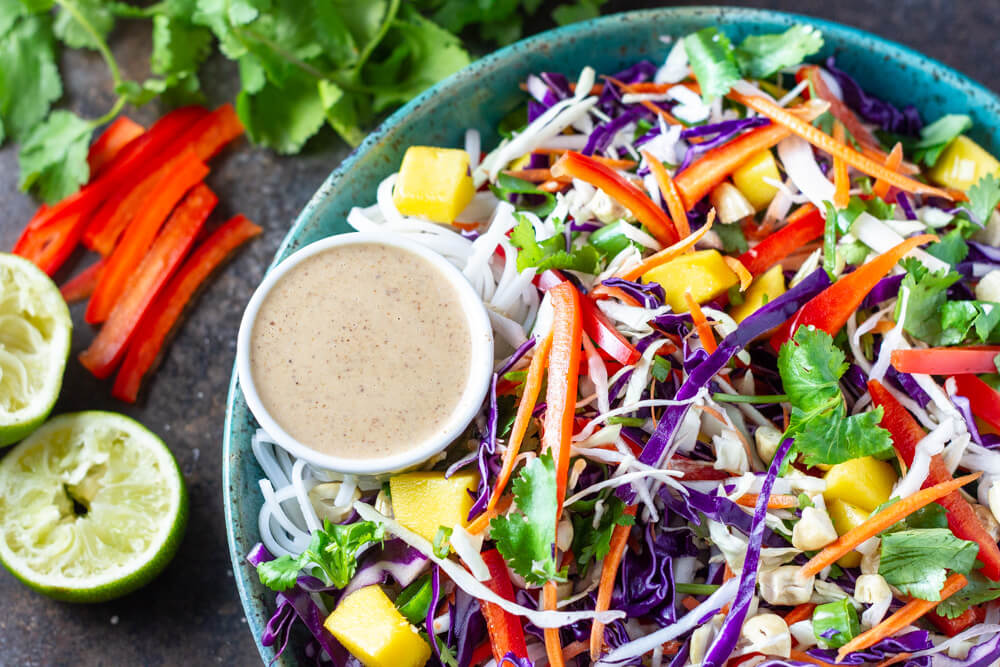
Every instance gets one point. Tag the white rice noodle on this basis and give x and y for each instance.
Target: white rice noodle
(464, 580)
(929, 446)
(591, 425)
(800, 164)
(277, 532)
(481, 208)
(675, 67)
(892, 340)
(640, 376)
(880, 237)
(512, 332)
(724, 595)
(473, 146)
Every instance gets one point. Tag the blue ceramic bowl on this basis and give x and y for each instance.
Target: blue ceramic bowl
(483, 93)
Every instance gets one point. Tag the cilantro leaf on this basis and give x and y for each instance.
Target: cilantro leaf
(711, 56)
(526, 537)
(984, 195)
(282, 117)
(977, 591)
(952, 248)
(29, 79)
(332, 552)
(178, 46)
(54, 156)
(917, 561)
(760, 56)
(591, 543)
(732, 237)
(550, 253)
(934, 138)
(83, 24)
(581, 10)
(838, 437)
(507, 185)
(928, 293)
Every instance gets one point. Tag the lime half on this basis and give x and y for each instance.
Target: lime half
(35, 331)
(92, 506)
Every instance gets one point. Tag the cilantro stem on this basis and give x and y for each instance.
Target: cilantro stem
(738, 398)
(696, 589)
(99, 43)
(109, 116)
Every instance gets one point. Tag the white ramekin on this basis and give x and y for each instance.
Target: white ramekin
(480, 374)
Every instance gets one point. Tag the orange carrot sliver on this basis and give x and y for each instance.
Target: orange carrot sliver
(881, 187)
(480, 523)
(800, 613)
(775, 502)
(671, 252)
(879, 522)
(553, 647)
(841, 180)
(740, 270)
(907, 615)
(669, 191)
(701, 324)
(609, 572)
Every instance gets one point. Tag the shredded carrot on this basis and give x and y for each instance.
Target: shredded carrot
(907, 615)
(701, 324)
(905, 168)
(800, 613)
(480, 523)
(669, 191)
(841, 179)
(575, 649)
(535, 175)
(881, 187)
(895, 660)
(690, 602)
(609, 571)
(737, 266)
(775, 502)
(603, 291)
(826, 143)
(799, 213)
(553, 647)
(879, 522)
(883, 326)
(669, 253)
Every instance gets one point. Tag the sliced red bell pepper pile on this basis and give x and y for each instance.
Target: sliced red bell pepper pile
(135, 242)
(505, 630)
(780, 244)
(50, 246)
(983, 399)
(118, 135)
(962, 519)
(206, 138)
(166, 310)
(618, 188)
(830, 309)
(145, 281)
(82, 285)
(947, 360)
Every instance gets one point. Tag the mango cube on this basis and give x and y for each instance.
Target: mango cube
(704, 273)
(765, 288)
(846, 517)
(864, 482)
(372, 629)
(749, 178)
(963, 163)
(433, 183)
(424, 501)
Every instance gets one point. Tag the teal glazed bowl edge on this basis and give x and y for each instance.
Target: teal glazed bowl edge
(487, 90)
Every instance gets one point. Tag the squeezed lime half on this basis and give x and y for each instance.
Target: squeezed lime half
(35, 331)
(92, 506)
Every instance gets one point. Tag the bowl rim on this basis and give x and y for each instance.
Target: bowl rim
(731, 14)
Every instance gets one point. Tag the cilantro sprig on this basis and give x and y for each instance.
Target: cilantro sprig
(917, 562)
(331, 555)
(550, 253)
(592, 541)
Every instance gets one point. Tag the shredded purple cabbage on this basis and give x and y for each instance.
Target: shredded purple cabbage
(911, 642)
(432, 608)
(909, 385)
(395, 559)
(904, 204)
(983, 253)
(645, 585)
(885, 289)
(468, 627)
(602, 135)
(651, 295)
(724, 131)
(891, 119)
(985, 654)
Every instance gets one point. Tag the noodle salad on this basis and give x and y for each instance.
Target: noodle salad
(744, 408)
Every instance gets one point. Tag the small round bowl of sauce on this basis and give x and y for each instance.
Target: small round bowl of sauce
(364, 353)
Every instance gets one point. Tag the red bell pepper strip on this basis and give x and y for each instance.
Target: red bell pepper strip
(123, 167)
(206, 138)
(830, 309)
(163, 314)
(82, 285)
(605, 335)
(614, 184)
(118, 135)
(147, 279)
(505, 630)
(564, 364)
(964, 621)
(51, 246)
(838, 109)
(780, 244)
(947, 360)
(983, 399)
(962, 519)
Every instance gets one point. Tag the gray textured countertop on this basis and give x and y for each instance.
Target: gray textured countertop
(191, 615)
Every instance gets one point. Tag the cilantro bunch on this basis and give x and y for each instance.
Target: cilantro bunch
(302, 65)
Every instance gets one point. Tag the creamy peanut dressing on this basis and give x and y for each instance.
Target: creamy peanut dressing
(361, 351)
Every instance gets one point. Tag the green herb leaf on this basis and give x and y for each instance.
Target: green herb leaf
(442, 541)
(835, 623)
(526, 537)
(53, 157)
(977, 591)
(591, 543)
(507, 185)
(760, 56)
(928, 293)
(917, 561)
(732, 237)
(83, 24)
(711, 56)
(952, 248)
(961, 320)
(29, 79)
(661, 369)
(282, 117)
(984, 195)
(934, 138)
(550, 253)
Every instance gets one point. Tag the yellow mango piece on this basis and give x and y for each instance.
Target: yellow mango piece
(424, 501)
(864, 482)
(372, 629)
(963, 163)
(749, 178)
(845, 517)
(765, 288)
(433, 183)
(704, 273)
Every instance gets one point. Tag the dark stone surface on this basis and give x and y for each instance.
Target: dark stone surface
(191, 614)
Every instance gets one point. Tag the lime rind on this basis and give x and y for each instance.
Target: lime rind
(35, 333)
(92, 506)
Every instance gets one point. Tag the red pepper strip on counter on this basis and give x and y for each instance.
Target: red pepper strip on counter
(145, 282)
(983, 399)
(505, 629)
(190, 171)
(615, 186)
(962, 519)
(207, 137)
(50, 246)
(947, 360)
(166, 310)
(118, 135)
(830, 309)
(780, 244)
(82, 285)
